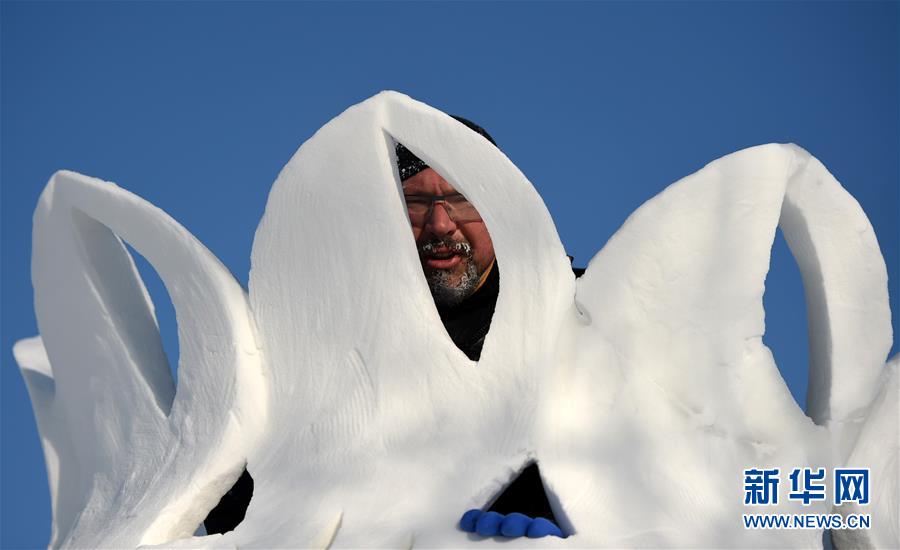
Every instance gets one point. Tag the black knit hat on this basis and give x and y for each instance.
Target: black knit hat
(409, 165)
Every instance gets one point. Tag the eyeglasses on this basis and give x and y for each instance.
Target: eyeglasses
(457, 207)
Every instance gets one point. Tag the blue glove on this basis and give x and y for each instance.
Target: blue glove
(468, 521)
(541, 527)
(492, 524)
(488, 525)
(515, 525)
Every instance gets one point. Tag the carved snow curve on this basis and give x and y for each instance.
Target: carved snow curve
(130, 461)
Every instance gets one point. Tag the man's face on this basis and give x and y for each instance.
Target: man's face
(455, 251)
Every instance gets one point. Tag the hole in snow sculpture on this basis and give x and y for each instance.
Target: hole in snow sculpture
(161, 308)
(526, 495)
(232, 507)
(125, 299)
(786, 328)
(457, 256)
(454, 247)
(521, 509)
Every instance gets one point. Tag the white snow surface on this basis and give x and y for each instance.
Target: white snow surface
(878, 449)
(643, 389)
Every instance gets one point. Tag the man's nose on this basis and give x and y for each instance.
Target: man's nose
(440, 223)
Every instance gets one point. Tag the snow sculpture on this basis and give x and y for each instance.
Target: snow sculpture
(643, 389)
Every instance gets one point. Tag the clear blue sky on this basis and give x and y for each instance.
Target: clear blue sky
(197, 106)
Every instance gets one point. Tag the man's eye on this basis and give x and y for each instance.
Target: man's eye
(458, 200)
(416, 199)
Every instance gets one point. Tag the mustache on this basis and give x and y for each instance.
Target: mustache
(456, 247)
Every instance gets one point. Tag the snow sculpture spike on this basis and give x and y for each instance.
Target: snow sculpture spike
(129, 460)
(644, 390)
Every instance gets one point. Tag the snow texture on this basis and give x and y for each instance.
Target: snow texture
(643, 389)
(878, 450)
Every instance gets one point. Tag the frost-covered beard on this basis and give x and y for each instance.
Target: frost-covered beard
(449, 287)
